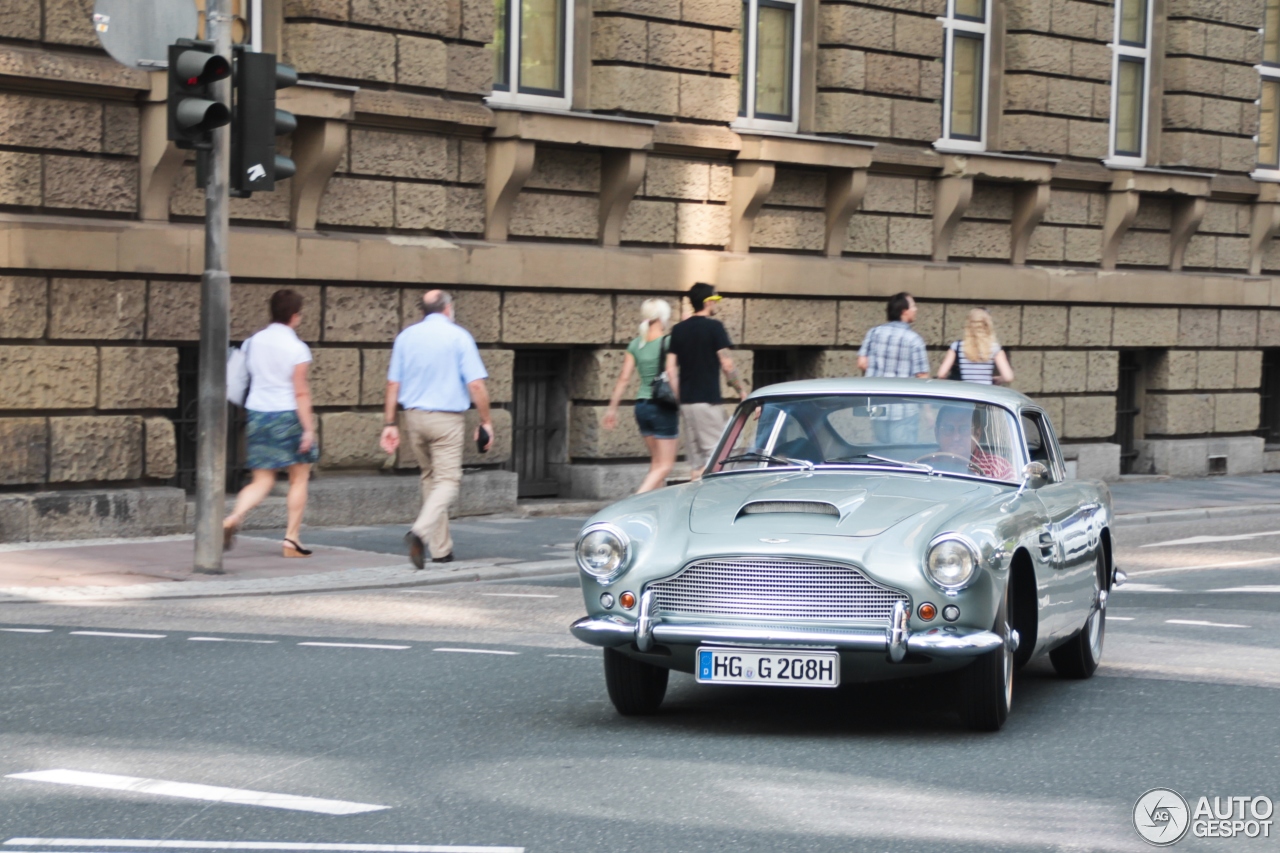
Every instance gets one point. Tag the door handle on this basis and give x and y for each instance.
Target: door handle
(1046, 544)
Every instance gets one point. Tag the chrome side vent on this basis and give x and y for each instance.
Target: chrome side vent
(810, 507)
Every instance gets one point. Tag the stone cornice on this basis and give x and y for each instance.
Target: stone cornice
(53, 245)
(52, 70)
(403, 109)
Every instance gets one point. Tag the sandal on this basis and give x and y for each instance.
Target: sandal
(293, 549)
(229, 532)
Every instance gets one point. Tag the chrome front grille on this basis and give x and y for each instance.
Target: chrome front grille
(765, 588)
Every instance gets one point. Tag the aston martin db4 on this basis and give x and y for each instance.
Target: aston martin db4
(853, 530)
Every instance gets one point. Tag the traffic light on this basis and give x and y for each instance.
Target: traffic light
(255, 165)
(193, 110)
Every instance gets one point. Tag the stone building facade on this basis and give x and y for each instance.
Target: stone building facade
(1102, 175)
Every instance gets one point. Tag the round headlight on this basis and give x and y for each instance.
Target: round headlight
(602, 552)
(951, 563)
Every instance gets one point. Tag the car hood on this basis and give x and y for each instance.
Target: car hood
(838, 503)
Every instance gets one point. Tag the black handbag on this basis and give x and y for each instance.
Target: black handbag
(660, 390)
(955, 365)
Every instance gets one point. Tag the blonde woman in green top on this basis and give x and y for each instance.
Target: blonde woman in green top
(659, 425)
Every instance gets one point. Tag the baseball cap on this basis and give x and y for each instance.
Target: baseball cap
(701, 293)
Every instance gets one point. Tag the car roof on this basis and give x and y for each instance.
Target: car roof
(939, 388)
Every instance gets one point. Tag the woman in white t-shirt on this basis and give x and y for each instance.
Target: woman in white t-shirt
(978, 355)
(281, 431)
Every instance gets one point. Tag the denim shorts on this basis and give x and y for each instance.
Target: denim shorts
(657, 421)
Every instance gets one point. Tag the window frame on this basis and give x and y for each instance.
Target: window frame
(747, 85)
(971, 28)
(512, 95)
(1268, 72)
(1122, 51)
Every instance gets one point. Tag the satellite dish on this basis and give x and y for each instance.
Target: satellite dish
(138, 33)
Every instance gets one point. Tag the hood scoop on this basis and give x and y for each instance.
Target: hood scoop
(804, 507)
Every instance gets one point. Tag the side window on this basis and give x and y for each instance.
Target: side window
(1040, 444)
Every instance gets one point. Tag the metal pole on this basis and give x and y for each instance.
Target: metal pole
(215, 321)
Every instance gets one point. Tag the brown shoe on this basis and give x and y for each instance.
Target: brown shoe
(417, 549)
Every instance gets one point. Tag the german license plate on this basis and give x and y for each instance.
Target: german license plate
(772, 666)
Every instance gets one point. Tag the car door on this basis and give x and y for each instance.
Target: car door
(1068, 540)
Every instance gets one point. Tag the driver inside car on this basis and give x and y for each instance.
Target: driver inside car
(957, 432)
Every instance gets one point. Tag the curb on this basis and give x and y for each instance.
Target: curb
(1199, 514)
(382, 577)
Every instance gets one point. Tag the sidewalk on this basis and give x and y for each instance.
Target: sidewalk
(499, 547)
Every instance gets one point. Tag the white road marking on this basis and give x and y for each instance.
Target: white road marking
(227, 640)
(354, 646)
(1248, 589)
(1120, 618)
(28, 630)
(1202, 624)
(1202, 540)
(1130, 586)
(516, 595)
(168, 844)
(1232, 565)
(580, 657)
(185, 790)
(477, 651)
(119, 634)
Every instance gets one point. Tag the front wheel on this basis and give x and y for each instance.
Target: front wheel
(987, 685)
(1079, 657)
(635, 688)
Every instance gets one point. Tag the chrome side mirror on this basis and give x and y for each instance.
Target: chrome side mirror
(1035, 475)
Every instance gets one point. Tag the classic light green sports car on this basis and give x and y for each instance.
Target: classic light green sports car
(857, 530)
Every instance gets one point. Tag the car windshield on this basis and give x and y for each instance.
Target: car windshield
(913, 433)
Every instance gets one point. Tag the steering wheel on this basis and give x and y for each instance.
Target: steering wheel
(945, 457)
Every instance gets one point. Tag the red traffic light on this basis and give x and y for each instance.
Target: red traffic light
(197, 68)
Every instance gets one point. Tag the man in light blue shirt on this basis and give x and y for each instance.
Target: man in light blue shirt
(436, 374)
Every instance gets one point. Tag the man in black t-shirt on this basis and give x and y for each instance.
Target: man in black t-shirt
(698, 352)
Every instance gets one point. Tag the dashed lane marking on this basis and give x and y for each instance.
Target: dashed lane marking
(1132, 586)
(1120, 618)
(1144, 572)
(517, 595)
(1248, 589)
(580, 657)
(188, 791)
(1202, 624)
(477, 651)
(120, 634)
(1204, 540)
(228, 640)
(28, 630)
(354, 646)
(174, 844)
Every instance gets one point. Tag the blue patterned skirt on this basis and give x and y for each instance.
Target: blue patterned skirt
(272, 440)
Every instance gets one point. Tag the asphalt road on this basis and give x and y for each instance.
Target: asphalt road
(472, 719)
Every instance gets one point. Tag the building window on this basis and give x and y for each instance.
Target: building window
(964, 104)
(771, 366)
(769, 83)
(531, 53)
(1269, 401)
(1269, 102)
(1131, 58)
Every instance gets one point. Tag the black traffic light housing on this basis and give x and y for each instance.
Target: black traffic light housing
(255, 165)
(192, 109)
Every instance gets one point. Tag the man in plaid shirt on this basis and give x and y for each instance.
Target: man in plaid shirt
(894, 349)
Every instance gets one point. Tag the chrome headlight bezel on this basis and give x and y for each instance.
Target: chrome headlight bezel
(975, 561)
(623, 549)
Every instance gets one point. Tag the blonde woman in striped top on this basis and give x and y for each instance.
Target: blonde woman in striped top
(979, 355)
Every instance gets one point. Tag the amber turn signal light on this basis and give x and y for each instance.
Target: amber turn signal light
(627, 600)
(927, 612)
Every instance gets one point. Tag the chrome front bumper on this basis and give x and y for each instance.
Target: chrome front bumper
(895, 641)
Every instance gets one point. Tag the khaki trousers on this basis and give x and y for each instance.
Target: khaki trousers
(436, 440)
(703, 423)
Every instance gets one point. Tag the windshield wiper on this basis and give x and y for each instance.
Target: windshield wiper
(754, 456)
(919, 466)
